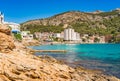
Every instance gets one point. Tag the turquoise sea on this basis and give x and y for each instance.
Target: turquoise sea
(105, 57)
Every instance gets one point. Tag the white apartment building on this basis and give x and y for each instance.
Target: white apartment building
(77, 36)
(66, 34)
(71, 35)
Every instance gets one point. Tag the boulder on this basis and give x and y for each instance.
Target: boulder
(6, 40)
(5, 29)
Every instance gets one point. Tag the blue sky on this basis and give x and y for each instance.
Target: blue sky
(22, 10)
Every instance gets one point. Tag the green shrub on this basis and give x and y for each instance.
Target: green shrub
(18, 37)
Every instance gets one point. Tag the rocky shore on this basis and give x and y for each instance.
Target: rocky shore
(30, 43)
(17, 64)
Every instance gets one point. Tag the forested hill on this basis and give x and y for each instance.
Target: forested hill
(98, 22)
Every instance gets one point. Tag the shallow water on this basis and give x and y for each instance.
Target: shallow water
(105, 57)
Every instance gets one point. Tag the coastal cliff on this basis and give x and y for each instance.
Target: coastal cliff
(17, 64)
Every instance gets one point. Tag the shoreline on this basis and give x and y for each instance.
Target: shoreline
(73, 65)
(104, 72)
(26, 66)
(54, 43)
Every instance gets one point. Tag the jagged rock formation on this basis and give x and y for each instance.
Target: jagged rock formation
(6, 41)
(22, 67)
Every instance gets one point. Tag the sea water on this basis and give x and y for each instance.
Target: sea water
(105, 57)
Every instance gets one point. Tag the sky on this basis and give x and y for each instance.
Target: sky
(19, 11)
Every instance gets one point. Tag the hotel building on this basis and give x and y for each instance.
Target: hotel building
(71, 35)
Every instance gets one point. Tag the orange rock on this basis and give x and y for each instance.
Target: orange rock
(5, 29)
(6, 41)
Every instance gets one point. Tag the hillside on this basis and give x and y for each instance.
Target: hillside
(101, 23)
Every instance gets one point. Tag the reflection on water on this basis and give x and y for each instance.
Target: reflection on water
(105, 57)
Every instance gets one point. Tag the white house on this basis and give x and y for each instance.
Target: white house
(26, 35)
(57, 35)
(102, 39)
(14, 26)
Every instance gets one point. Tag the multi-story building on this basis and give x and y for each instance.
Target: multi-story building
(77, 36)
(71, 35)
(66, 34)
(62, 35)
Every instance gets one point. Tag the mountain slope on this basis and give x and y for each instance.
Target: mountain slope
(65, 18)
(92, 23)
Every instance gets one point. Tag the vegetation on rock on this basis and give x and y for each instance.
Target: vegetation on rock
(18, 36)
